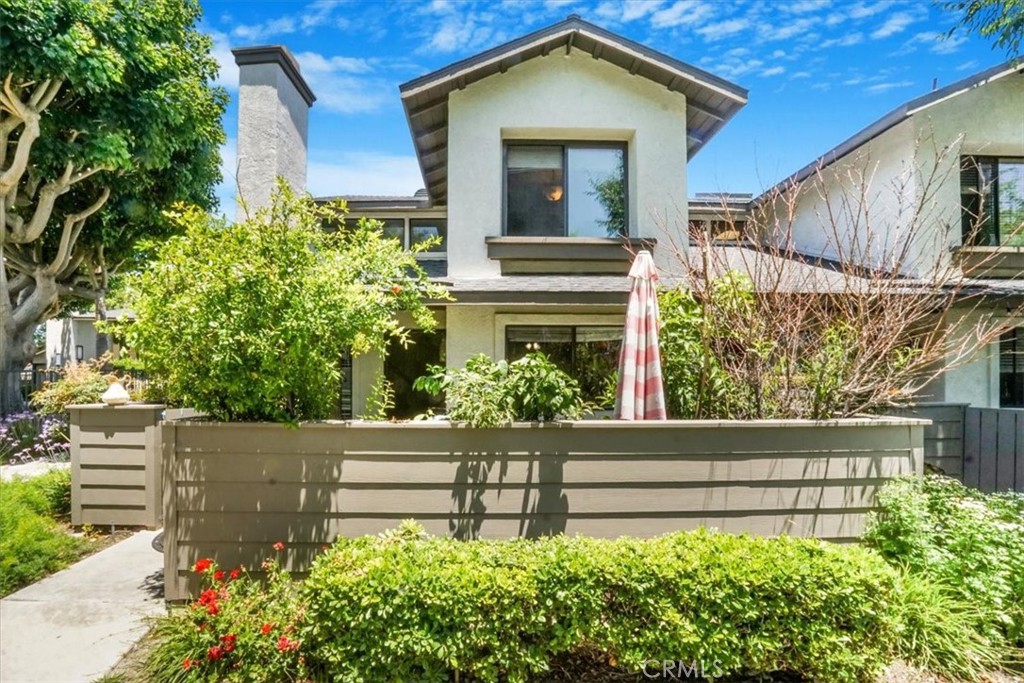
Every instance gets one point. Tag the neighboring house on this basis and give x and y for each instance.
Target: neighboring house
(544, 159)
(959, 152)
(72, 339)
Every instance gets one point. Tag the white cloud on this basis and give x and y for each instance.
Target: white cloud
(862, 10)
(844, 41)
(227, 73)
(968, 65)
(355, 172)
(887, 86)
(637, 9)
(947, 46)
(896, 23)
(774, 71)
(787, 31)
(341, 84)
(312, 62)
(723, 29)
(462, 32)
(683, 13)
(803, 6)
(309, 17)
(800, 74)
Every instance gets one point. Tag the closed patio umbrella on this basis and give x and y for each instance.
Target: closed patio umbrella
(640, 394)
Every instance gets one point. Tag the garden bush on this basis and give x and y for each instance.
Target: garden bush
(489, 393)
(32, 543)
(971, 542)
(421, 608)
(78, 383)
(249, 321)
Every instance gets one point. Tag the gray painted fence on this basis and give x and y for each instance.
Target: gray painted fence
(231, 490)
(983, 447)
(994, 449)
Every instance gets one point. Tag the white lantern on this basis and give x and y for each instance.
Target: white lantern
(115, 395)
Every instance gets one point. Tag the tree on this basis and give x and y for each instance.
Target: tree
(865, 320)
(107, 117)
(250, 321)
(999, 20)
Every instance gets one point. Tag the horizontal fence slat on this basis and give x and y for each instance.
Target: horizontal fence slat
(110, 497)
(116, 516)
(593, 468)
(133, 476)
(499, 499)
(128, 436)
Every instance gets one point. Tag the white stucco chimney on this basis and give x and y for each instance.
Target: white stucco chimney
(273, 120)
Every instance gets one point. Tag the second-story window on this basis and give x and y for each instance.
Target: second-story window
(565, 190)
(992, 200)
(412, 231)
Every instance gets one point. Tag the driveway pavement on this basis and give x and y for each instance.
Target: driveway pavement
(74, 626)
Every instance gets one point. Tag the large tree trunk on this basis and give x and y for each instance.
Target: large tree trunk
(20, 313)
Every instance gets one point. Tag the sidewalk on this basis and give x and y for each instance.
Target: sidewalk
(74, 626)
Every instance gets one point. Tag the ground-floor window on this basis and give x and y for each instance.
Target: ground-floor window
(590, 354)
(1011, 369)
(404, 364)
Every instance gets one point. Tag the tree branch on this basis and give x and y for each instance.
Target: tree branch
(73, 225)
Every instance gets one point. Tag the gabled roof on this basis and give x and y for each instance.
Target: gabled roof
(897, 115)
(710, 100)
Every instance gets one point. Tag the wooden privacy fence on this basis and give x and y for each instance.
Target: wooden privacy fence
(232, 490)
(983, 447)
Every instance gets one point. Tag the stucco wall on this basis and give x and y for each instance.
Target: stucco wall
(64, 334)
(272, 130)
(560, 98)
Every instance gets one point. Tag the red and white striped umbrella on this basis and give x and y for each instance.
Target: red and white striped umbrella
(640, 394)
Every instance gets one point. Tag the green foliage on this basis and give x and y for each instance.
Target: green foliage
(32, 543)
(1001, 21)
(248, 321)
(420, 608)
(969, 541)
(610, 192)
(78, 383)
(240, 629)
(488, 393)
(381, 400)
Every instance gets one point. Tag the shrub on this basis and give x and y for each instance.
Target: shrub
(239, 629)
(969, 541)
(79, 383)
(488, 393)
(420, 608)
(249, 321)
(32, 543)
(28, 436)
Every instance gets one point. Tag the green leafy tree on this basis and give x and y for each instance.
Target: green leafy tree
(249, 321)
(107, 117)
(1001, 21)
(610, 192)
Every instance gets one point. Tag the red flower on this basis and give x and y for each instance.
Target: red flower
(218, 575)
(212, 609)
(229, 642)
(396, 290)
(278, 546)
(202, 565)
(284, 644)
(266, 628)
(214, 653)
(234, 574)
(187, 664)
(208, 596)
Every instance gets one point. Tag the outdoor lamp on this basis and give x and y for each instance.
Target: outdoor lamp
(555, 192)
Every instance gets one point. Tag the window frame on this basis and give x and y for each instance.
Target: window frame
(407, 220)
(1015, 339)
(979, 161)
(565, 144)
(573, 338)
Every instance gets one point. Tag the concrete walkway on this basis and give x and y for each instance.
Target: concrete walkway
(74, 626)
(31, 469)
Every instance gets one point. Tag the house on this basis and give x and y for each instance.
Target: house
(547, 162)
(72, 338)
(958, 152)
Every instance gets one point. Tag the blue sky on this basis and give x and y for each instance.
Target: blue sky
(817, 71)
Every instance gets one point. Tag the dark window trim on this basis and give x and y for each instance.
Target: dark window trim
(1011, 396)
(565, 145)
(978, 160)
(573, 340)
(407, 230)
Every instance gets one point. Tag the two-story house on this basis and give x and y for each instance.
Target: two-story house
(935, 185)
(547, 162)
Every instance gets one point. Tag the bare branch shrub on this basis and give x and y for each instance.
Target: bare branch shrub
(844, 297)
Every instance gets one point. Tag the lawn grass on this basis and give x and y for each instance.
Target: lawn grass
(33, 540)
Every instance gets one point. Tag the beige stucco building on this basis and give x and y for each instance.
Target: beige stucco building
(549, 160)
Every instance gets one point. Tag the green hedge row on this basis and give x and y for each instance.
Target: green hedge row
(407, 607)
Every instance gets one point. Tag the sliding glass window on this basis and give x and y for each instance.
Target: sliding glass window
(992, 200)
(565, 190)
